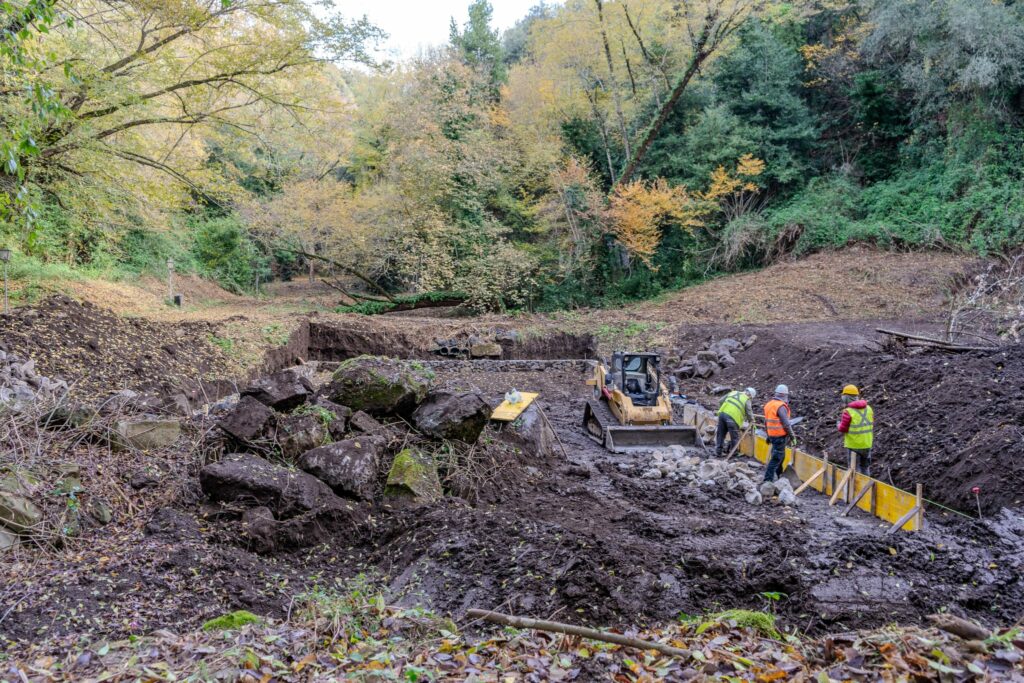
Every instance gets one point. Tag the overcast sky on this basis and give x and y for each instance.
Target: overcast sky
(415, 24)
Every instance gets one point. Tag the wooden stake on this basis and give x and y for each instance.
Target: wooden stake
(569, 629)
(902, 521)
(853, 503)
(851, 487)
(919, 494)
(842, 487)
(813, 478)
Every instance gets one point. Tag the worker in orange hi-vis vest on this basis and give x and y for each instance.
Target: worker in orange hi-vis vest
(777, 422)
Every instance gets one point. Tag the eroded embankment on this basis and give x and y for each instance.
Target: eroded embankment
(336, 341)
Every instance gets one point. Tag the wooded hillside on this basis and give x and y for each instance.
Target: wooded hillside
(598, 151)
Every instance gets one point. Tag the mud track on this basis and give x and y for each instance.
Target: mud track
(586, 539)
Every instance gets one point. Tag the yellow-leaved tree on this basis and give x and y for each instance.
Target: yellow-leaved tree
(640, 212)
(735, 193)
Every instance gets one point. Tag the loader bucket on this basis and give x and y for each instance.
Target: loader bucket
(620, 439)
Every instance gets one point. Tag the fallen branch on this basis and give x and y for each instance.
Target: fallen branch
(960, 628)
(354, 297)
(348, 269)
(935, 342)
(569, 629)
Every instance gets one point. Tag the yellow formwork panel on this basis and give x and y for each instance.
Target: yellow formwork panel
(883, 501)
(506, 412)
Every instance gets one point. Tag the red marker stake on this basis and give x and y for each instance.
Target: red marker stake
(976, 490)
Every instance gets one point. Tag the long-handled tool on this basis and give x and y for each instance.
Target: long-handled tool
(751, 428)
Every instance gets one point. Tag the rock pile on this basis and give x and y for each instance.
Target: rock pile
(472, 347)
(21, 386)
(709, 361)
(302, 461)
(686, 465)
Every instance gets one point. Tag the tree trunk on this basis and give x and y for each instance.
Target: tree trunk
(611, 75)
(699, 55)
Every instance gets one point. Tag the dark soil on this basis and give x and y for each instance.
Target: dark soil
(98, 352)
(582, 538)
(950, 421)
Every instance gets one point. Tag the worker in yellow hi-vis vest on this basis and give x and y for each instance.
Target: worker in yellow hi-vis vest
(857, 424)
(733, 411)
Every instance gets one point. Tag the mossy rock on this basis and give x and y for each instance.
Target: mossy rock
(380, 386)
(18, 512)
(232, 621)
(18, 480)
(413, 478)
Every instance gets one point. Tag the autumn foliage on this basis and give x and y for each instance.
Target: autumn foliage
(639, 212)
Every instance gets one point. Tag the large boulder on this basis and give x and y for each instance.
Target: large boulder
(485, 350)
(413, 478)
(349, 467)
(284, 390)
(706, 368)
(297, 434)
(248, 421)
(380, 386)
(532, 432)
(455, 417)
(145, 433)
(251, 480)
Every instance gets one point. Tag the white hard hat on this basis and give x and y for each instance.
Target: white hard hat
(782, 390)
(751, 392)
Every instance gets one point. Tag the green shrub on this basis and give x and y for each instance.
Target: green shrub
(224, 251)
(147, 251)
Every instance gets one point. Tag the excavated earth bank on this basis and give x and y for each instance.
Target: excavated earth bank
(579, 536)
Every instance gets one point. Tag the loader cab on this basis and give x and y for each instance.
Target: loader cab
(637, 375)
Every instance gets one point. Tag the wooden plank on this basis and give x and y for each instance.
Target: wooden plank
(842, 487)
(814, 477)
(902, 521)
(864, 489)
(506, 412)
(919, 517)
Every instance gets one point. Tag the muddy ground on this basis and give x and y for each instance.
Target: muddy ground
(576, 537)
(950, 421)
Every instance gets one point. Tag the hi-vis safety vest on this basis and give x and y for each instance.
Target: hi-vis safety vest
(771, 417)
(735, 406)
(861, 434)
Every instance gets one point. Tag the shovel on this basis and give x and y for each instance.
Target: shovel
(736, 446)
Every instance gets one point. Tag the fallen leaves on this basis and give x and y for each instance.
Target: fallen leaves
(287, 652)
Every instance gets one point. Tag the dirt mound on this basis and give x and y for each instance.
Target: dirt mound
(97, 352)
(948, 421)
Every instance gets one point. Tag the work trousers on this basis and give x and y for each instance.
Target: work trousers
(774, 469)
(726, 427)
(863, 460)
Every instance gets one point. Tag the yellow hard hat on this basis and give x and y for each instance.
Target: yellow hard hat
(850, 390)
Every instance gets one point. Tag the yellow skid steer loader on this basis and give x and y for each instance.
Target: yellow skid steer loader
(631, 410)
